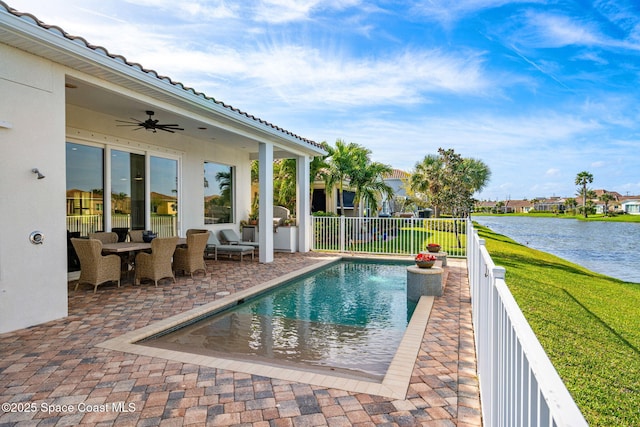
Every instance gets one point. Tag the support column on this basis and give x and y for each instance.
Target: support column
(303, 205)
(265, 211)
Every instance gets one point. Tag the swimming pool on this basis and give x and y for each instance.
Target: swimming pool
(393, 385)
(349, 316)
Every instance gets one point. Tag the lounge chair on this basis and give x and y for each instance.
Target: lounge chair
(157, 264)
(95, 268)
(230, 237)
(214, 247)
(190, 259)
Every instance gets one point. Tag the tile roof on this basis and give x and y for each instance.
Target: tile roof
(99, 49)
(397, 174)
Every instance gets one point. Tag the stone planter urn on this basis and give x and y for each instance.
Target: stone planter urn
(425, 260)
(432, 247)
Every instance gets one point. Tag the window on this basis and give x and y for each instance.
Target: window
(218, 193)
(85, 189)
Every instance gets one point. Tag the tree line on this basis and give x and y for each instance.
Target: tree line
(445, 182)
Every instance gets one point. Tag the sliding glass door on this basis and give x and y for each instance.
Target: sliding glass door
(85, 189)
(164, 195)
(127, 190)
(142, 189)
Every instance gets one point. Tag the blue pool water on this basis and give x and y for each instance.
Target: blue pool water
(349, 317)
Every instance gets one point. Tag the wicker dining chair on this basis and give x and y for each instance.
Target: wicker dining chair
(191, 259)
(95, 268)
(195, 231)
(105, 236)
(136, 236)
(157, 264)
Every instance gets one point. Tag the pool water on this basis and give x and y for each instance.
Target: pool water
(348, 317)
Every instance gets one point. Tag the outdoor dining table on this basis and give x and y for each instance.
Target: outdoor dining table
(120, 247)
(127, 251)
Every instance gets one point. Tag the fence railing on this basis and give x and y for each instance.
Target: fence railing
(164, 225)
(518, 384)
(388, 235)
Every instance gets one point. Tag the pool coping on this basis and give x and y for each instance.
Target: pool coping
(394, 384)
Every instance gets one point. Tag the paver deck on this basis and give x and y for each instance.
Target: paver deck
(55, 374)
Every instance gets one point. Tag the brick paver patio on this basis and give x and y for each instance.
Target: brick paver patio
(55, 375)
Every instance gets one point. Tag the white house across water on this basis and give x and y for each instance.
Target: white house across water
(90, 141)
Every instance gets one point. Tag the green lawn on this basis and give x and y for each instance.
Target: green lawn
(398, 238)
(588, 324)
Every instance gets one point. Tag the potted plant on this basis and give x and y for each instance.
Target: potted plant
(425, 260)
(433, 247)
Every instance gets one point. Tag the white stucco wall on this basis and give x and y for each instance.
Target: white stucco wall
(33, 286)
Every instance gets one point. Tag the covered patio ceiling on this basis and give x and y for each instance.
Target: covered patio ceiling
(197, 125)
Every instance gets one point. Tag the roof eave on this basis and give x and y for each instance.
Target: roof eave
(54, 44)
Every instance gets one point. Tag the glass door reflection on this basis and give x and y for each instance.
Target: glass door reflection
(127, 190)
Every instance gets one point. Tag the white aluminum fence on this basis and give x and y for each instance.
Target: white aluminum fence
(518, 384)
(164, 225)
(388, 235)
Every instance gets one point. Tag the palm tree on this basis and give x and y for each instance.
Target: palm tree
(284, 194)
(369, 185)
(582, 179)
(342, 161)
(318, 170)
(477, 172)
(450, 180)
(571, 204)
(427, 178)
(224, 184)
(606, 198)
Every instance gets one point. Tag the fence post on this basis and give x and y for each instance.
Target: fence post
(342, 233)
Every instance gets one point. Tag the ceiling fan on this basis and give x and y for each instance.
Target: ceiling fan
(151, 124)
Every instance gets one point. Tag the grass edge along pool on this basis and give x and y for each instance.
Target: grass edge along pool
(394, 384)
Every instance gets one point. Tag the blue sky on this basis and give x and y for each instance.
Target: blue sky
(538, 90)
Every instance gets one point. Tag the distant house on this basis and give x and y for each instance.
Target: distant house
(395, 180)
(505, 206)
(551, 204)
(631, 206)
(612, 206)
(521, 206)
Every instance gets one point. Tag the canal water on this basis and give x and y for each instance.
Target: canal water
(609, 248)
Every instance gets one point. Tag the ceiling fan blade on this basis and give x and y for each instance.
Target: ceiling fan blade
(150, 124)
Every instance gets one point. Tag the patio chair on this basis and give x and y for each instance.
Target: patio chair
(196, 230)
(215, 247)
(121, 232)
(95, 268)
(105, 236)
(230, 237)
(157, 264)
(136, 236)
(191, 258)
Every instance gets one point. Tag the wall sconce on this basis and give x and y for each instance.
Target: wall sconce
(37, 172)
